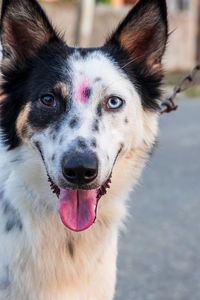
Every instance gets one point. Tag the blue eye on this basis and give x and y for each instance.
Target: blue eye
(48, 100)
(114, 102)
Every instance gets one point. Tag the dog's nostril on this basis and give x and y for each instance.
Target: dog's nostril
(71, 173)
(90, 173)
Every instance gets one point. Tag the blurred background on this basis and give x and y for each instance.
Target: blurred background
(159, 252)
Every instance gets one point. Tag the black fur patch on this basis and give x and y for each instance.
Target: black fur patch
(83, 52)
(4, 278)
(94, 143)
(14, 223)
(13, 218)
(61, 140)
(81, 143)
(33, 71)
(95, 126)
(88, 92)
(97, 79)
(1, 195)
(73, 122)
(71, 249)
(147, 85)
(29, 83)
(99, 110)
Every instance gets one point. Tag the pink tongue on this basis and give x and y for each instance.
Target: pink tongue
(77, 208)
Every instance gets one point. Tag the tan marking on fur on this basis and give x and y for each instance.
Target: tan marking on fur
(62, 88)
(130, 154)
(2, 96)
(23, 128)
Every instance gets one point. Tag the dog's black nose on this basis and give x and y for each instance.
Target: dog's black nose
(80, 168)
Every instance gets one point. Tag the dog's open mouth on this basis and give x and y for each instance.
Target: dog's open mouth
(78, 208)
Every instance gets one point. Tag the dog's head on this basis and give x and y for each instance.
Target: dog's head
(80, 109)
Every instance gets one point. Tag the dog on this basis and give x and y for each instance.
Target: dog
(77, 126)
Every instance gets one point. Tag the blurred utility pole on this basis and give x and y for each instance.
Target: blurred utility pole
(85, 20)
(198, 32)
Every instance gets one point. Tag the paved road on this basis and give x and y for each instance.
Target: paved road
(159, 257)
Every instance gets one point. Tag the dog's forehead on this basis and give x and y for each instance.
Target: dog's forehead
(92, 70)
(90, 64)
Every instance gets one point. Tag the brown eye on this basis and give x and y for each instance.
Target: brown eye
(48, 100)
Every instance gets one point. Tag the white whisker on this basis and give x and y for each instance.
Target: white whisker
(131, 61)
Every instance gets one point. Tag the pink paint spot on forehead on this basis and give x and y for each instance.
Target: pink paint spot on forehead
(81, 90)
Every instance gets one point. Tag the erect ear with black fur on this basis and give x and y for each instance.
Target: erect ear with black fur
(143, 33)
(24, 29)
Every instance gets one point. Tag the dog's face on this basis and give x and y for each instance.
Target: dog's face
(81, 109)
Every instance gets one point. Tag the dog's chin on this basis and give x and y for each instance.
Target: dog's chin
(77, 206)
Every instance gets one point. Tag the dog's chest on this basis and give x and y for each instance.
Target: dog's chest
(52, 266)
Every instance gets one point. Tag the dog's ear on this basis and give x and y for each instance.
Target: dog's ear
(24, 29)
(143, 33)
